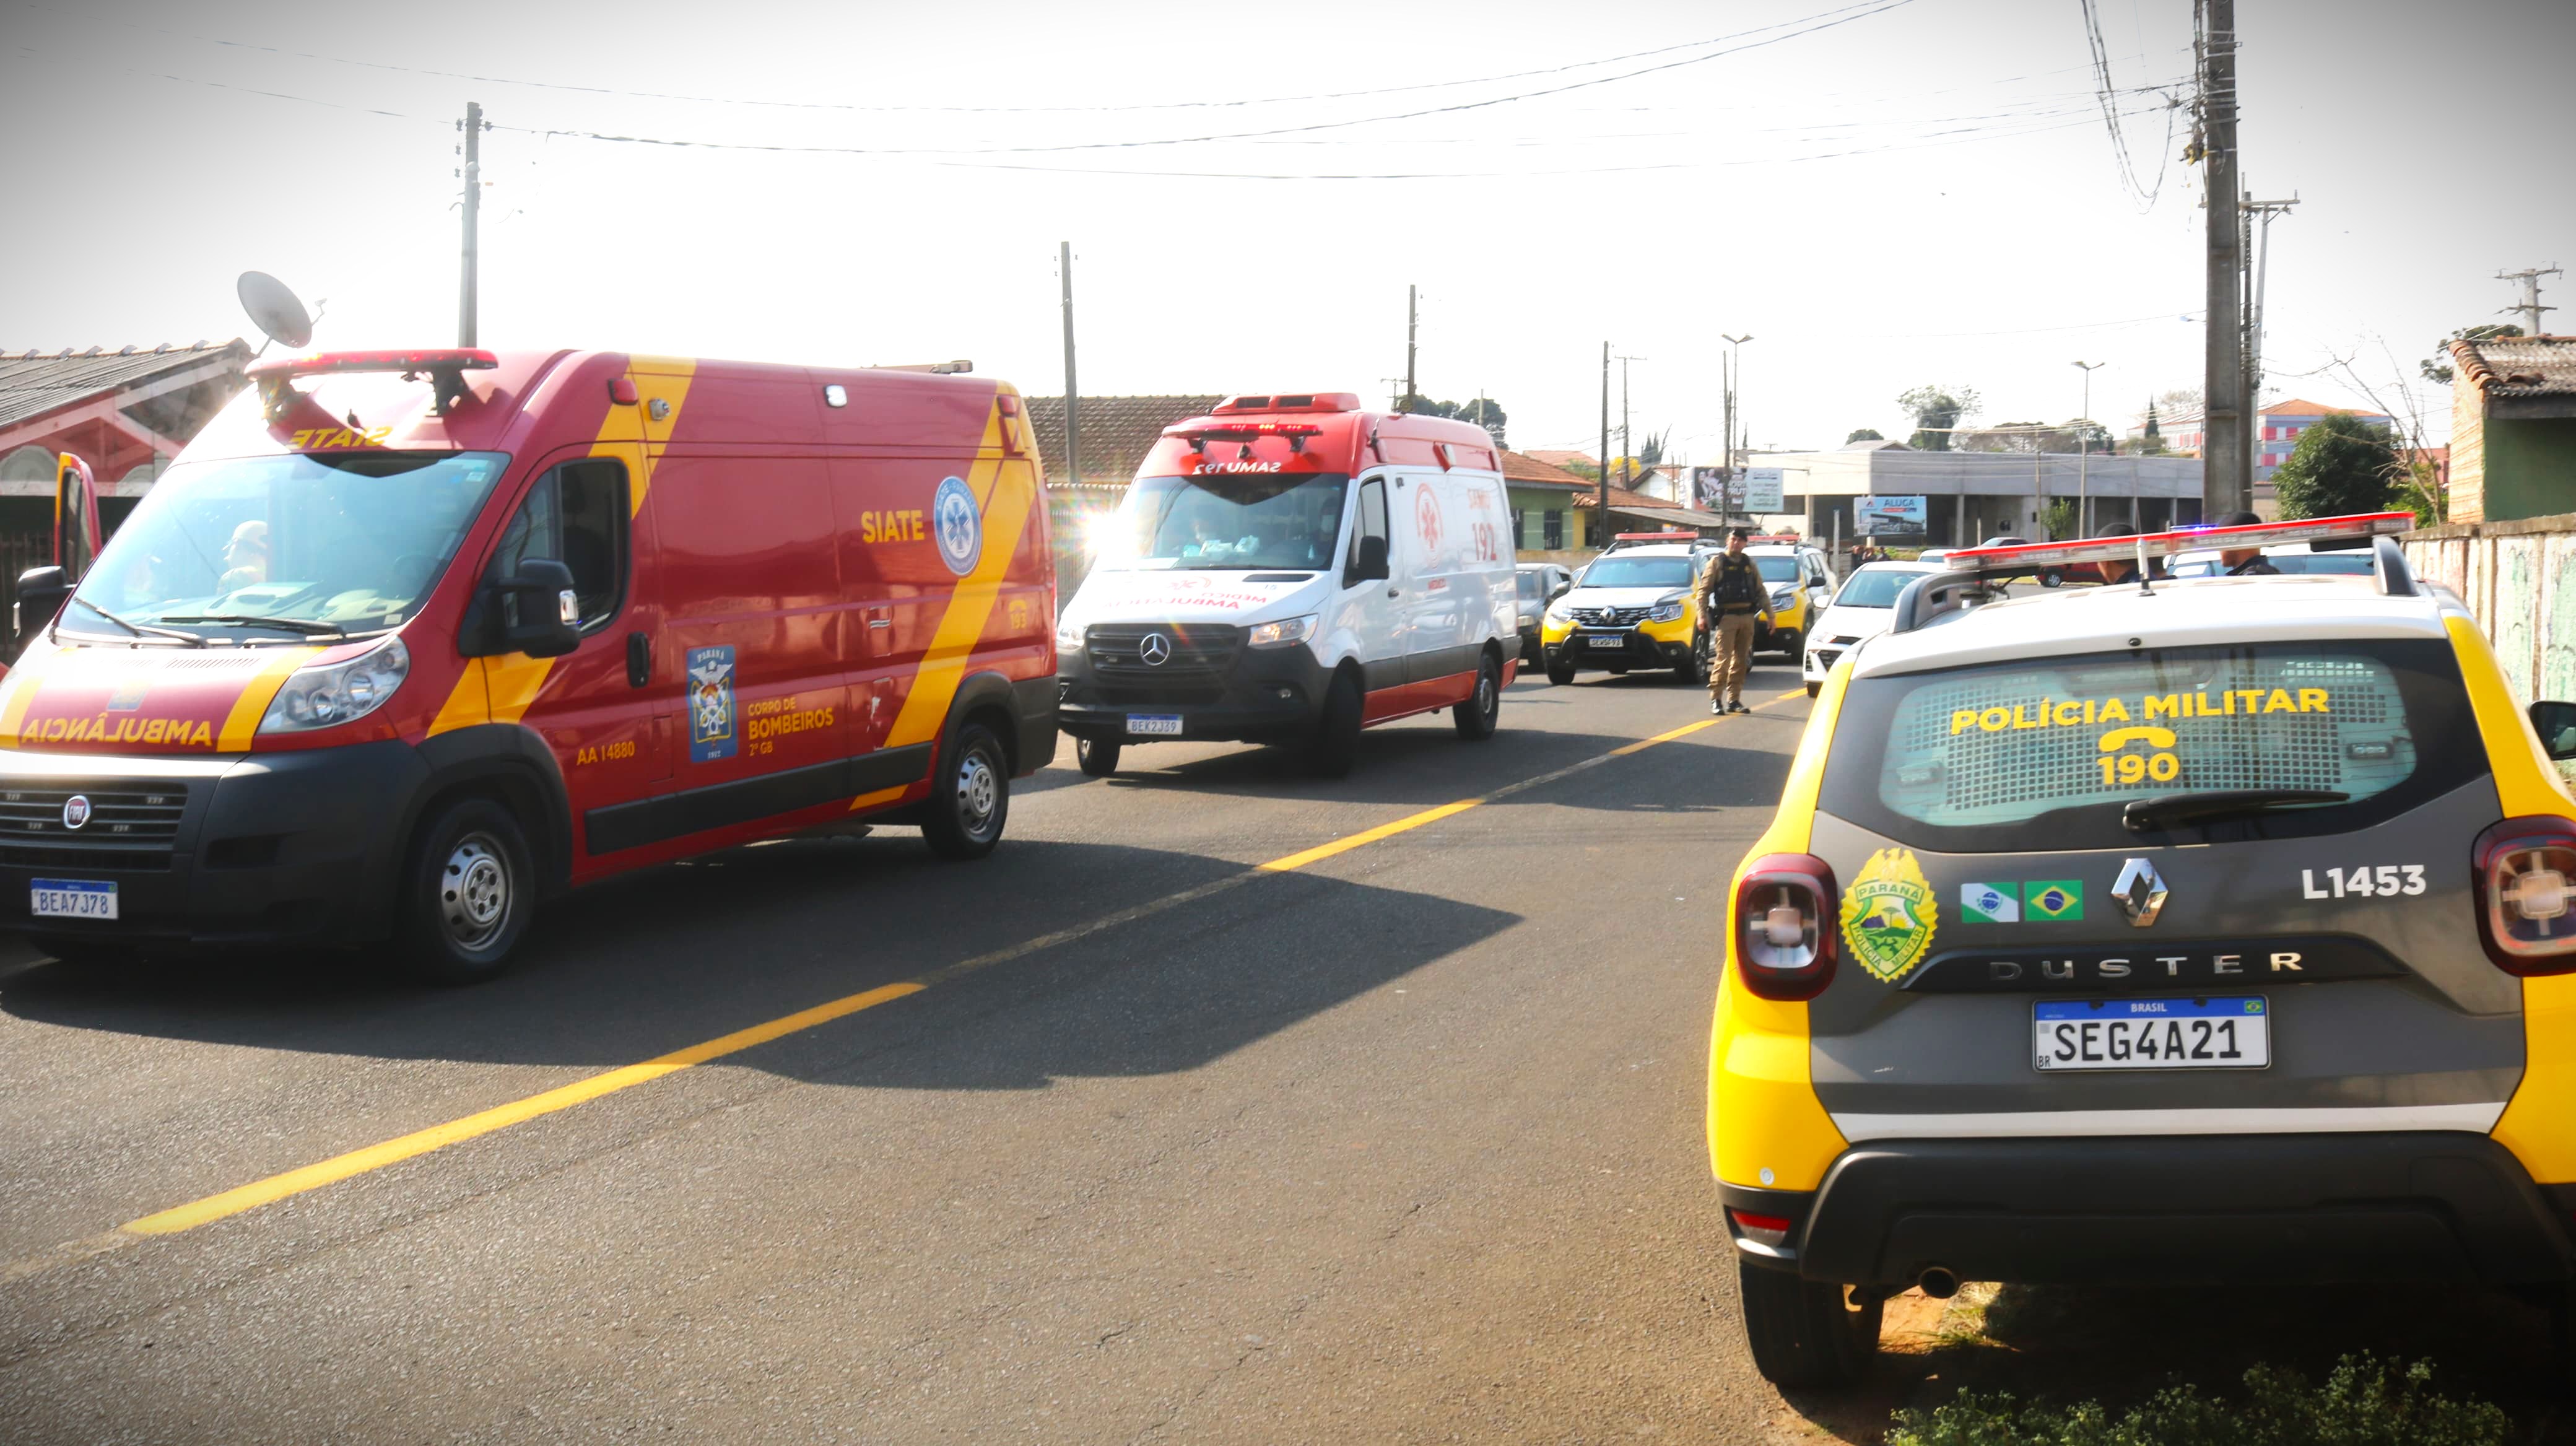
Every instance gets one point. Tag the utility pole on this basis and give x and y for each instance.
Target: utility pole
(2254, 325)
(1627, 442)
(1410, 316)
(2084, 454)
(1072, 391)
(468, 300)
(1603, 540)
(1731, 373)
(2227, 477)
(1394, 394)
(2529, 306)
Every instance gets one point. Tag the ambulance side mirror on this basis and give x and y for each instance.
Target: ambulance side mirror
(41, 591)
(1368, 560)
(541, 611)
(2556, 723)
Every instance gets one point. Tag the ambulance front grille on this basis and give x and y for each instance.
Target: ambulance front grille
(125, 827)
(1192, 652)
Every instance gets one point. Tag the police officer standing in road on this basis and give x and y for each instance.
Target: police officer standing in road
(1732, 596)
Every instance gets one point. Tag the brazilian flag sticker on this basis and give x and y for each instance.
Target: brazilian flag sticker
(2058, 901)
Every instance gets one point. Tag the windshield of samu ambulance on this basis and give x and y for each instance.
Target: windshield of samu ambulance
(1229, 523)
(316, 545)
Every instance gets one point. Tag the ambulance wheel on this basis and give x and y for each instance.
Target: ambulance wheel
(1477, 716)
(970, 797)
(1098, 757)
(1805, 1333)
(1560, 674)
(1336, 744)
(468, 895)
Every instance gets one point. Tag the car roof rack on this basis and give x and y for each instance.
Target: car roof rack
(1963, 584)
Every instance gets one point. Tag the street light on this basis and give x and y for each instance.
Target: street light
(2083, 452)
(1734, 376)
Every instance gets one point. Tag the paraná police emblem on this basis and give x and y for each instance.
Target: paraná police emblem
(1889, 914)
(958, 527)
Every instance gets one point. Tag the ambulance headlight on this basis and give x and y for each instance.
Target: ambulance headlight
(1068, 636)
(1283, 632)
(1667, 611)
(326, 696)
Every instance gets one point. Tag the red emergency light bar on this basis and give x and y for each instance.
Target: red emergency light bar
(317, 363)
(1654, 537)
(1199, 436)
(446, 368)
(2029, 556)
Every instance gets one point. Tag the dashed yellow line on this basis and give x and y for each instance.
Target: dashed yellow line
(500, 1117)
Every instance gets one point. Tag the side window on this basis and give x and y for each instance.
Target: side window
(575, 515)
(1371, 521)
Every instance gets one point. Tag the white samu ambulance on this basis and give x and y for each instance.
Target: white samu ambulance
(1291, 569)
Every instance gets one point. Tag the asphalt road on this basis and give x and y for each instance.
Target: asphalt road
(1401, 1141)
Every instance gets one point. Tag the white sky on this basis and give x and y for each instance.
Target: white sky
(1924, 194)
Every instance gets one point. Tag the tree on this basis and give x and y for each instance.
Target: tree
(2341, 465)
(1935, 410)
(2437, 367)
(1483, 411)
(1863, 434)
(1650, 453)
(2059, 518)
(2151, 443)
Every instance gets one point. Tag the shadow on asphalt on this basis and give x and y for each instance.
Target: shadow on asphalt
(2064, 1344)
(633, 968)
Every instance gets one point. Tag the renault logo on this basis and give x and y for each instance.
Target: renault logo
(76, 810)
(1155, 649)
(2141, 892)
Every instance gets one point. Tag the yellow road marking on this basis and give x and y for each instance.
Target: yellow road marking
(436, 1137)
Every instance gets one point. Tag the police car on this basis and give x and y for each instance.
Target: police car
(1630, 608)
(2207, 933)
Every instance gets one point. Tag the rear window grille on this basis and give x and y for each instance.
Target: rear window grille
(1940, 771)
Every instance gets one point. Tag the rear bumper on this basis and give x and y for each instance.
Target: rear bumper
(2314, 1209)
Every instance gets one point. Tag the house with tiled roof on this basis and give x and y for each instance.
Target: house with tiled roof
(1117, 432)
(2513, 428)
(1544, 515)
(1555, 457)
(126, 412)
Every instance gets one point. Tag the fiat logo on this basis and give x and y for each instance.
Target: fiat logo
(1155, 649)
(76, 810)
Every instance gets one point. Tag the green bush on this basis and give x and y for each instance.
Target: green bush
(2364, 1402)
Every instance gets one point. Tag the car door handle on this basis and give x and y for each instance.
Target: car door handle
(639, 660)
(1395, 592)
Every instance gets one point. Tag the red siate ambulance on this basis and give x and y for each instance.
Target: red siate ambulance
(405, 642)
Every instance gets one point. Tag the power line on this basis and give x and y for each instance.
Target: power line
(1002, 109)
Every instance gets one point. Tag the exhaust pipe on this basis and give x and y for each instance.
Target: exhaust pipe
(1937, 1282)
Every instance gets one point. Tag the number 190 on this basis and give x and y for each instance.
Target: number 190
(2130, 768)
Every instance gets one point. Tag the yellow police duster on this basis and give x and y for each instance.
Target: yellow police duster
(2207, 934)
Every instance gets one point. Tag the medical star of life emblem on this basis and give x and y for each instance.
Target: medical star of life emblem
(2141, 892)
(1155, 649)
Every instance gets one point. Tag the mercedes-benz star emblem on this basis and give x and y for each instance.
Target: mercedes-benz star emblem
(2141, 892)
(1155, 649)
(76, 810)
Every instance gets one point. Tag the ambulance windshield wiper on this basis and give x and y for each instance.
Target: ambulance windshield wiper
(142, 629)
(2147, 815)
(292, 625)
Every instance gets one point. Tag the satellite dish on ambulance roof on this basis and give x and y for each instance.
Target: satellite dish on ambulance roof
(274, 308)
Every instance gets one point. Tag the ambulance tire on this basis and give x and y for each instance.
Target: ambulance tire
(1097, 757)
(1336, 744)
(468, 894)
(1475, 718)
(1804, 1333)
(970, 796)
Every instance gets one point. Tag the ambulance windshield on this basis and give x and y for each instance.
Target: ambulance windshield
(280, 548)
(1266, 520)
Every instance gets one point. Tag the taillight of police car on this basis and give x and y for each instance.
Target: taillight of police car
(2525, 873)
(1784, 908)
(1762, 1229)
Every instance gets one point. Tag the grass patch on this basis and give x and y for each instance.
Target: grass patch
(2364, 1401)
